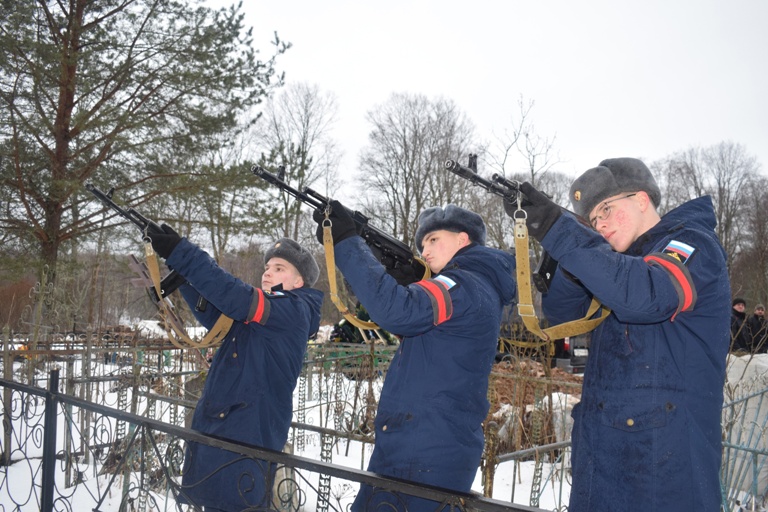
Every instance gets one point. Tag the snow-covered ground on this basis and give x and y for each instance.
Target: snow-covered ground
(512, 483)
(16, 489)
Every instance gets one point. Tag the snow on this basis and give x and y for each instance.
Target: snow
(152, 328)
(748, 377)
(16, 486)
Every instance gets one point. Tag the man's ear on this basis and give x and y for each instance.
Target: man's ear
(644, 200)
(463, 239)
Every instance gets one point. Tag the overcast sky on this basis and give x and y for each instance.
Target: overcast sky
(608, 78)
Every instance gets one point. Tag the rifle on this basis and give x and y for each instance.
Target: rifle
(397, 257)
(171, 281)
(509, 190)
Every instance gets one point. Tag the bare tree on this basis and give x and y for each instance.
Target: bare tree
(730, 170)
(522, 154)
(411, 139)
(522, 147)
(296, 129)
(679, 178)
(723, 171)
(750, 267)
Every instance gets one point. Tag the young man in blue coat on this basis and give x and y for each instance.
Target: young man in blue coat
(433, 403)
(248, 393)
(646, 434)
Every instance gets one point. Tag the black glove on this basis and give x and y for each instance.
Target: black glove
(164, 243)
(342, 225)
(403, 274)
(540, 211)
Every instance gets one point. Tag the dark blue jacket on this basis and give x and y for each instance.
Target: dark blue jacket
(248, 393)
(740, 336)
(646, 434)
(433, 403)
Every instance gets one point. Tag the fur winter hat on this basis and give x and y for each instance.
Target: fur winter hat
(297, 256)
(612, 177)
(451, 218)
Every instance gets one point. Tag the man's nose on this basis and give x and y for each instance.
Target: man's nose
(601, 225)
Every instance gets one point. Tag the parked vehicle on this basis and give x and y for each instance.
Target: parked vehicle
(571, 353)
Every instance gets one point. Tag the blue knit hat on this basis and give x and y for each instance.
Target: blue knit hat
(297, 256)
(451, 218)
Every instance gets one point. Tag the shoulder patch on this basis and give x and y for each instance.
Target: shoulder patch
(445, 280)
(437, 289)
(270, 293)
(681, 278)
(260, 306)
(682, 252)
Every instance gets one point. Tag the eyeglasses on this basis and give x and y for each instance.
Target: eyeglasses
(604, 211)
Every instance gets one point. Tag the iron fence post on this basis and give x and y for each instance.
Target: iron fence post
(8, 374)
(49, 443)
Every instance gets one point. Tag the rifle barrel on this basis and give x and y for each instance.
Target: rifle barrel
(276, 181)
(465, 172)
(171, 281)
(507, 189)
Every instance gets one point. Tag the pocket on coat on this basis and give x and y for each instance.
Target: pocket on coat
(220, 410)
(393, 422)
(634, 417)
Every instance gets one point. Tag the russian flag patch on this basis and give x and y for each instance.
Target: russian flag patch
(682, 252)
(673, 259)
(437, 289)
(446, 281)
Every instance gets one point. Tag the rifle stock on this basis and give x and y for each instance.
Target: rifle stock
(392, 253)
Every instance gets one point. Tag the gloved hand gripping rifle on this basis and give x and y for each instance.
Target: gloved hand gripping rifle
(171, 281)
(160, 289)
(545, 271)
(397, 257)
(509, 190)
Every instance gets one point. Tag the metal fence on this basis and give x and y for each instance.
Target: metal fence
(108, 432)
(744, 475)
(103, 428)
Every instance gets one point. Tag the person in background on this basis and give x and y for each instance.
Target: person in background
(758, 331)
(433, 403)
(248, 393)
(740, 341)
(646, 434)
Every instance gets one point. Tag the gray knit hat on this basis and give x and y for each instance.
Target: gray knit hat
(451, 218)
(297, 256)
(612, 177)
